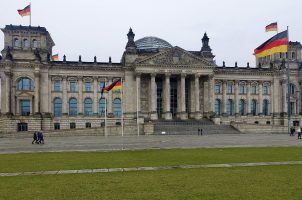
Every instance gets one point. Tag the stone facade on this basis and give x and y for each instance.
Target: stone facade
(159, 82)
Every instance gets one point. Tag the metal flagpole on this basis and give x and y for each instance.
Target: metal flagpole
(288, 86)
(137, 104)
(30, 14)
(122, 102)
(105, 129)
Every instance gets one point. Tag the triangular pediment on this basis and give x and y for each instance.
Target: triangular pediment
(174, 56)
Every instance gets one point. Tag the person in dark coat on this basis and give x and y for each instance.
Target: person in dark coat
(198, 131)
(35, 137)
(201, 132)
(40, 138)
(299, 133)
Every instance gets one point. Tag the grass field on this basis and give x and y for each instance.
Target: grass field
(265, 182)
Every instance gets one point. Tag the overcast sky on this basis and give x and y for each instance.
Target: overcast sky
(99, 27)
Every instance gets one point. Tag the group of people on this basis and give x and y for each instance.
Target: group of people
(297, 130)
(38, 138)
(200, 131)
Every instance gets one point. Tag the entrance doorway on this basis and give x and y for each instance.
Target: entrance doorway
(173, 97)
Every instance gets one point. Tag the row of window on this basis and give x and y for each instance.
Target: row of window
(242, 107)
(73, 125)
(25, 43)
(242, 89)
(73, 86)
(293, 56)
(88, 107)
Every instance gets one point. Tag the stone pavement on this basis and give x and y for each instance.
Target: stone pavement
(109, 170)
(101, 143)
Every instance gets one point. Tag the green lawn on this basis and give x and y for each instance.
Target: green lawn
(269, 182)
(92, 160)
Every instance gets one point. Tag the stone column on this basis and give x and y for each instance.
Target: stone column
(80, 100)
(153, 98)
(183, 113)
(50, 104)
(224, 98)
(197, 95)
(138, 93)
(37, 92)
(44, 93)
(95, 96)
(260, 98)
(248, 97)
(211, 93)
(167, 98)
(236, 100)
(299, 112)
(7, 93)
(284, 98)
(65, 100)
(276, 98)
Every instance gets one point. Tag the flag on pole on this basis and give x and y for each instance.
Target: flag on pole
(272, 27)
(55, 57)
(116, 85)
(25, 11)
(277, 44)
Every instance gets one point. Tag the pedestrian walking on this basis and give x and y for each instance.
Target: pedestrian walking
(198, 131)
(299, 133)
(201, 132)
(35, 137)
(292, 131)
(40, 138)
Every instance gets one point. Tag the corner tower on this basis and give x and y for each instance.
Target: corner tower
(27, 43)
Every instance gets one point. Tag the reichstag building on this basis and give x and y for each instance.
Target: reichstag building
(160, 83)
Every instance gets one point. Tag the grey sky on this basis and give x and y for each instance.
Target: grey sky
(99, 27)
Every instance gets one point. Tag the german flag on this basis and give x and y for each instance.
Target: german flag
(55, 57)
(277, 44)
(272, 27)
(115, 86)
(25, 11)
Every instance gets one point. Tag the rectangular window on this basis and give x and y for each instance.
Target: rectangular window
(72, 125)
(57, 86)
(230, 88)
(25, 107)
(57, 126)
(73, 86)
(88, 125)
(22, 127)
(88, 87)
(217, 89)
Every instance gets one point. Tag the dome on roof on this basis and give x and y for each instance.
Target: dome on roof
(151, 43)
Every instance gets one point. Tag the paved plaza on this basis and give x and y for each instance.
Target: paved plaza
(101, 143)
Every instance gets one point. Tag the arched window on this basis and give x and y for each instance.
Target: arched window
(242, 89)
(26, 43)
(292, 89)
(117, 107)
(88, 107)
(16, 42)
(218, 88)
(230, 107)
(254, 89)
(218, 107)
(293, 55)
(254, 107)
(57, 107)
(241, 107)
(35, 44)
(73, 107)
(102, 106)
(265, 107)
(25, 84)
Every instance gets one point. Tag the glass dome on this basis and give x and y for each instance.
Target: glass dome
(152, 43)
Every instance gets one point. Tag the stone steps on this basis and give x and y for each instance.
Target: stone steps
(191, 128)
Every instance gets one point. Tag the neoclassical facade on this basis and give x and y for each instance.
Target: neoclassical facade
(160, 82)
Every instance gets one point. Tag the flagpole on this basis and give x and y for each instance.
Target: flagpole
(122, 102)
(30, 14)
(288, 86)
(105, 128)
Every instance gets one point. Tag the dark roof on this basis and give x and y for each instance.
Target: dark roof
(295, 44)
(25, 28)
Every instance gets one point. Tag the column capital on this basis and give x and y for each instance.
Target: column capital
(211, 76)
(183, 75)
(168, 75)
(138, 74)
(37, 74)
(153, 74)
(64, 78)
(197, 76)
(8, 74)
(80, 78)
